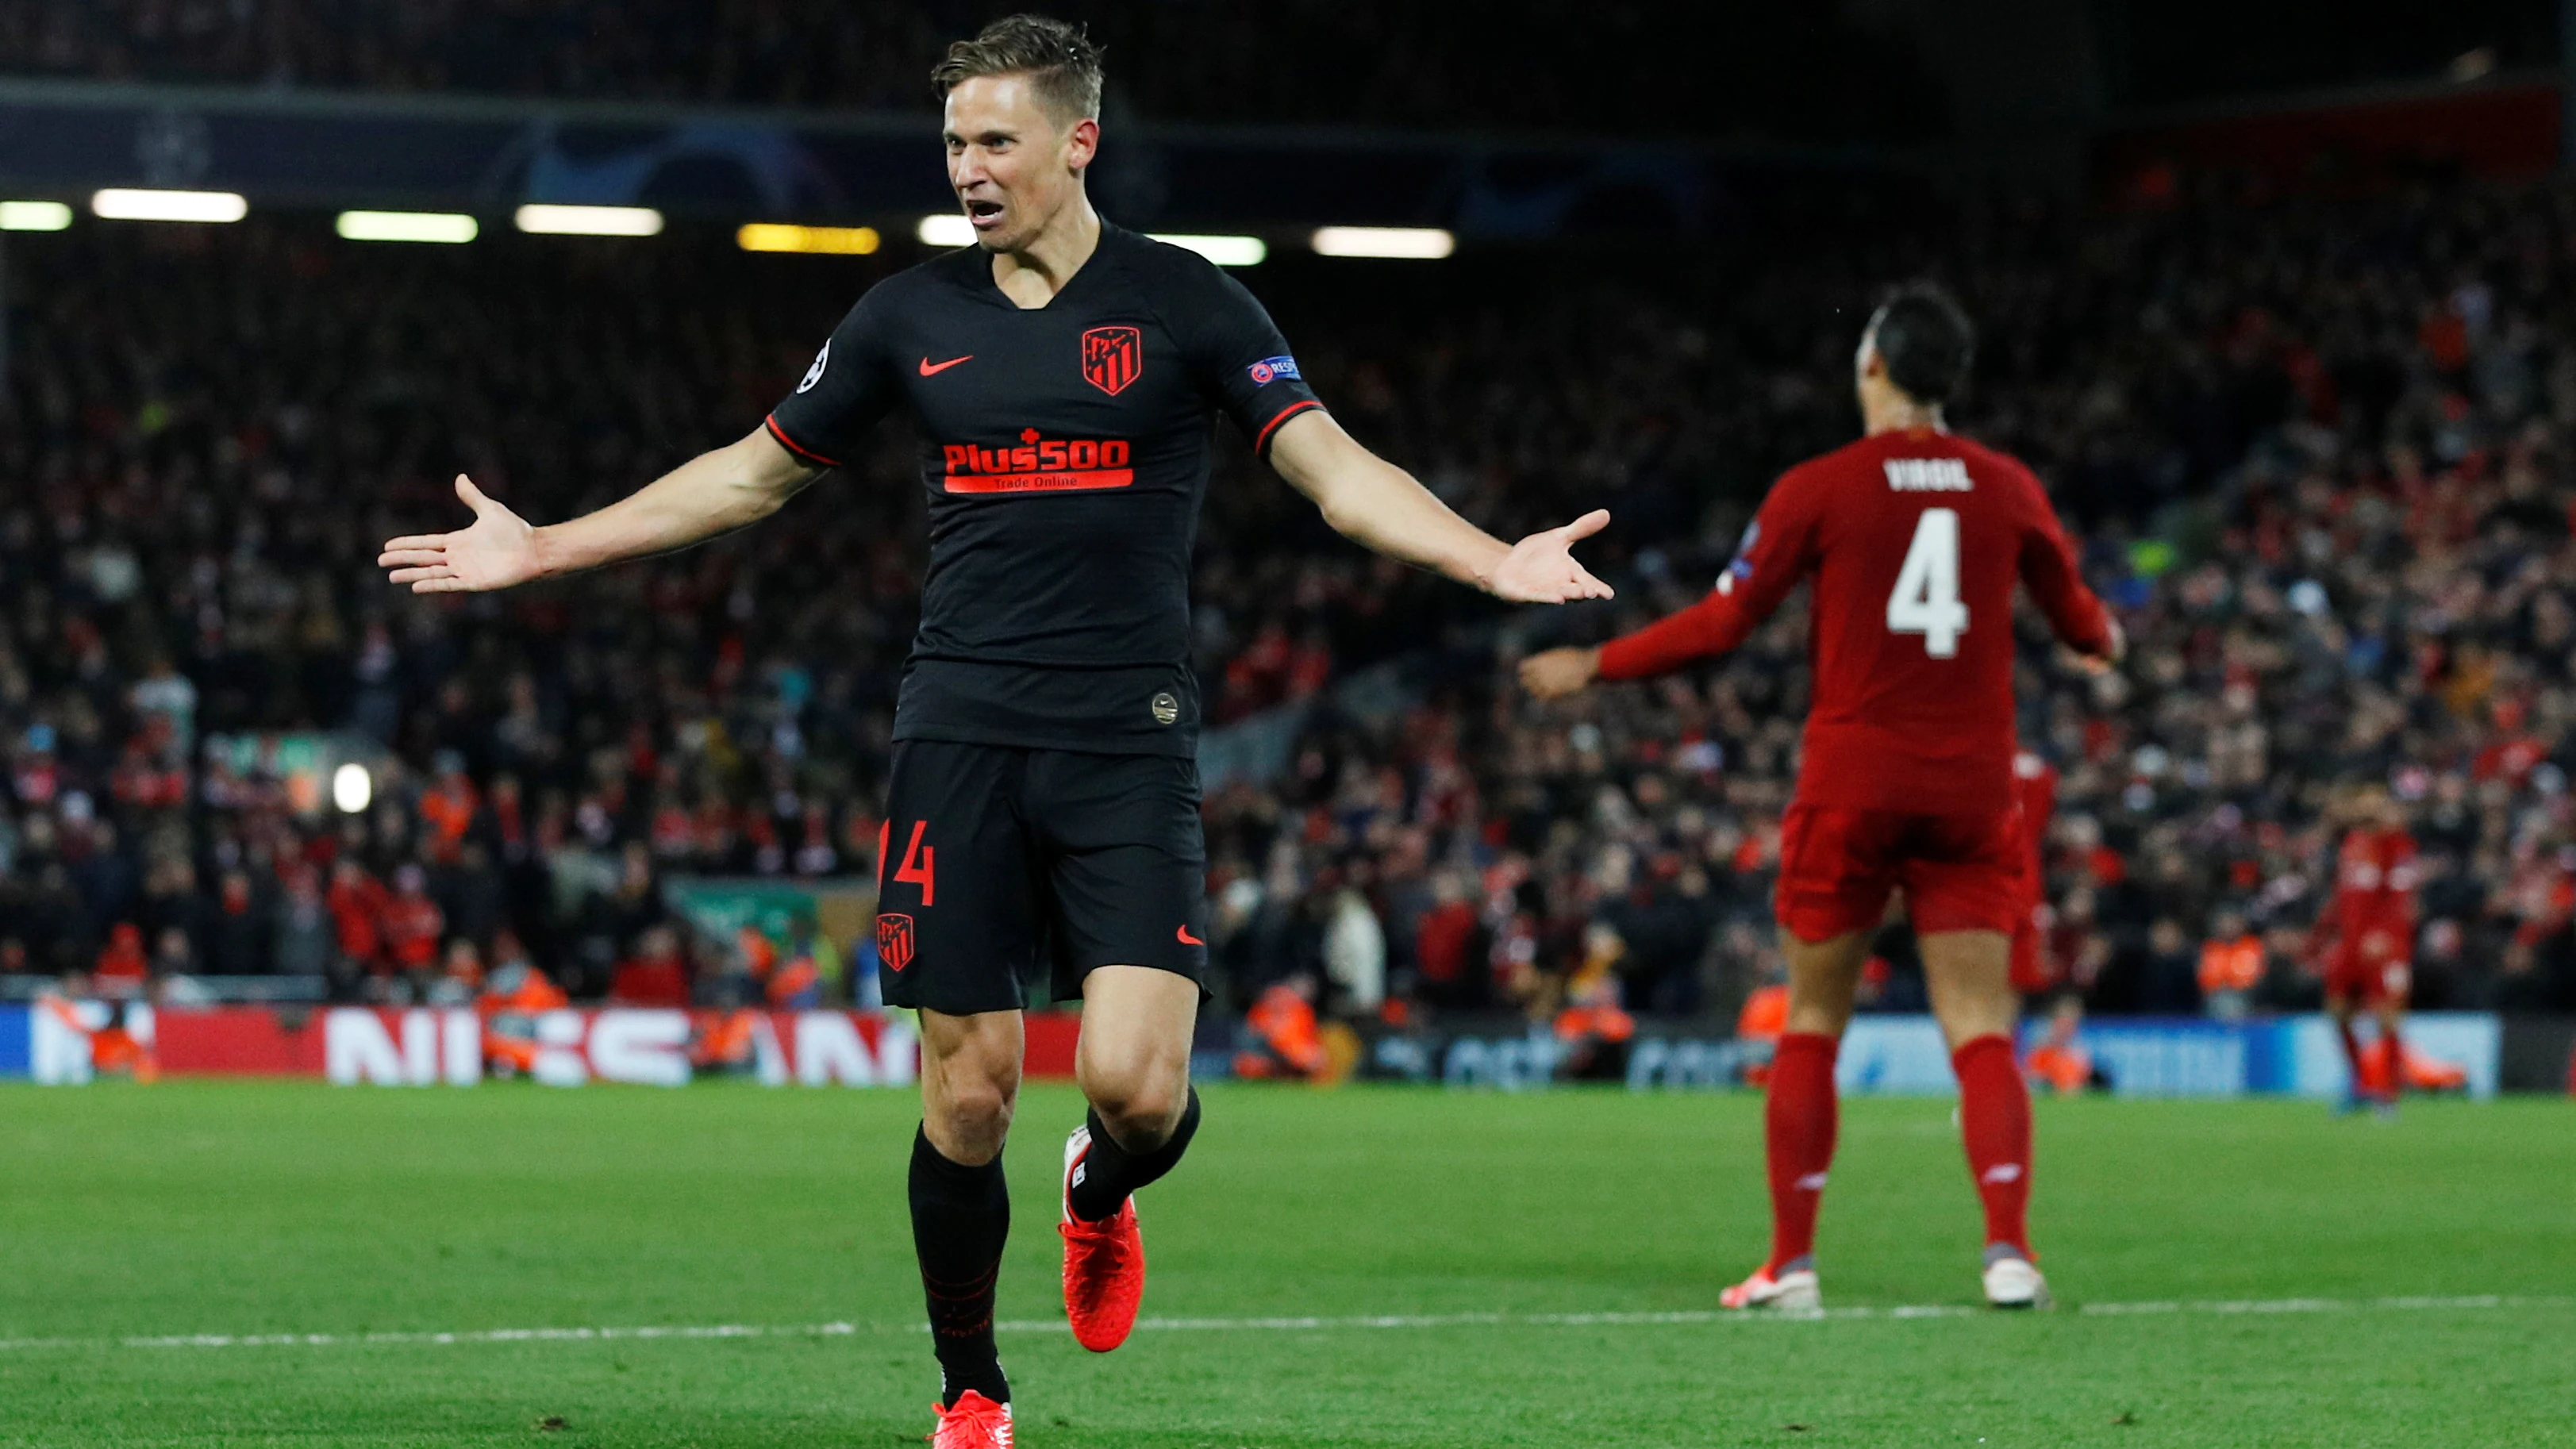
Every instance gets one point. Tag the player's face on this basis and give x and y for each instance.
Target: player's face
(1012, 167)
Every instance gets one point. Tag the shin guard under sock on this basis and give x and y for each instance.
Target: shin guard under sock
(961, 1216)
(1111, 1173)
(1799, 1117)
(1994, 1121)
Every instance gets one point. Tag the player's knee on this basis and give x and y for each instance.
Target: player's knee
(1968, 1010)
(972, 1129)
(1817, 1014)
(1961, 1025)
(1140, 1109)
(973, 1111)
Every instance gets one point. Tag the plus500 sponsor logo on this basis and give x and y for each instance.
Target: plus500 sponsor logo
(1038, 465)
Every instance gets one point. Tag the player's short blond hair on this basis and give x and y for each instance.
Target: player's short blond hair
(1060, 61)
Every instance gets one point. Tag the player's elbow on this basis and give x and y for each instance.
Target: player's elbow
(756, 489)
(1343, 517)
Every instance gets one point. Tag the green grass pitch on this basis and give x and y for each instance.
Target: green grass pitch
(264, 1209)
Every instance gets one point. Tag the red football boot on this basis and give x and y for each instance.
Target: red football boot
(975, 1422)
(1104, 1263)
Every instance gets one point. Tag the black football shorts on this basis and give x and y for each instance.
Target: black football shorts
(999, 858)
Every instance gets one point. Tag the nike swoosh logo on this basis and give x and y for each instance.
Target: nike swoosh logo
(1189, 940)
(933, 369)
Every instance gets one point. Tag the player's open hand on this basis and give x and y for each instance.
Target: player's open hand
(1560, 672)
(498, 551)
(1541, 569)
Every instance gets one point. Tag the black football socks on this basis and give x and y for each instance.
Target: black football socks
(1111, 1172)
(961, 1216)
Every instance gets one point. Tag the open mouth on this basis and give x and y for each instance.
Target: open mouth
(984, 214)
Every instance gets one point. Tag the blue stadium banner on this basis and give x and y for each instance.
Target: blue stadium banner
(2450, 1052)
(14, 1052)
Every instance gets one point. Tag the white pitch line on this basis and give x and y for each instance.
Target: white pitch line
(1373, 1322)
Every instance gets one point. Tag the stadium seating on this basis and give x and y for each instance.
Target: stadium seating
(1401, 63)
(2319, 450)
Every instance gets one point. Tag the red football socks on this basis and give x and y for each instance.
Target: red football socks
(1798, 1123)
(1994, 1118)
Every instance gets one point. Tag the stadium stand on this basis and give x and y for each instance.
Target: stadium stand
(1394, 64)
(2318, 450)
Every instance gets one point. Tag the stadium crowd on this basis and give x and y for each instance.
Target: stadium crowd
(2318, 451)
(1818, 73)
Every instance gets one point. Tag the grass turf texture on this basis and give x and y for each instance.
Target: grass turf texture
(270, 1208)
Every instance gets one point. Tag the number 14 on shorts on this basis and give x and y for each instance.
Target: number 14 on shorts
(919, 866)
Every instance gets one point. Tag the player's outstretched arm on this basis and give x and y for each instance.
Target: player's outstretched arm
(1778, 551)
(715, 492)
(1379, 506)
(1556, 673)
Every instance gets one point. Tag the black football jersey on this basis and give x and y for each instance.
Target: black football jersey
(1065, 451)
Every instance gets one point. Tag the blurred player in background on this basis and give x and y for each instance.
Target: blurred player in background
(1061, 374)
(2039, 975)
(1915, 539)
(2034, 974)
(2366, 940)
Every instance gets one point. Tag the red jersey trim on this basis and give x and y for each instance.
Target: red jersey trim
(1293, 409)
(793, 446)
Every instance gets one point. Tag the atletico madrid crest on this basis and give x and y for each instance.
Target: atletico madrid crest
(894, 941)
(1112, 357)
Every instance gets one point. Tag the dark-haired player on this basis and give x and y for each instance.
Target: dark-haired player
(1915, 538)
(1044, 801)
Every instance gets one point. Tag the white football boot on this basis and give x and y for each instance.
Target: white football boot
(1793, 1290)
(2013, 1281)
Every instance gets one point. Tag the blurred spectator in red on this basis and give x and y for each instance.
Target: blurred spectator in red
(240, 941)
(1442, 942)
(2231, 966)
(514, 996)
(413, 923)
(656, 975)
(357, 905)
(2060, 1063)
(1592, 1032)
(448, 808)
(758, 953)
(1762, 1021)
(797, 983)
(121, 968)
(1282, 1036)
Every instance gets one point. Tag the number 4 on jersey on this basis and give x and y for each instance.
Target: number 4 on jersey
(1926, 598)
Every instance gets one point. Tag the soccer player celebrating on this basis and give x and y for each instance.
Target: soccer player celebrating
(2368, 931)
(1915, 538)
(1044, 801)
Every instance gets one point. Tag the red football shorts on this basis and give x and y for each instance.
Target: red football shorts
(2351, 975)
(1959, 872)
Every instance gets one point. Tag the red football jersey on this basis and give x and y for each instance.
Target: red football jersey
(1915, 541)
(2375, 878)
